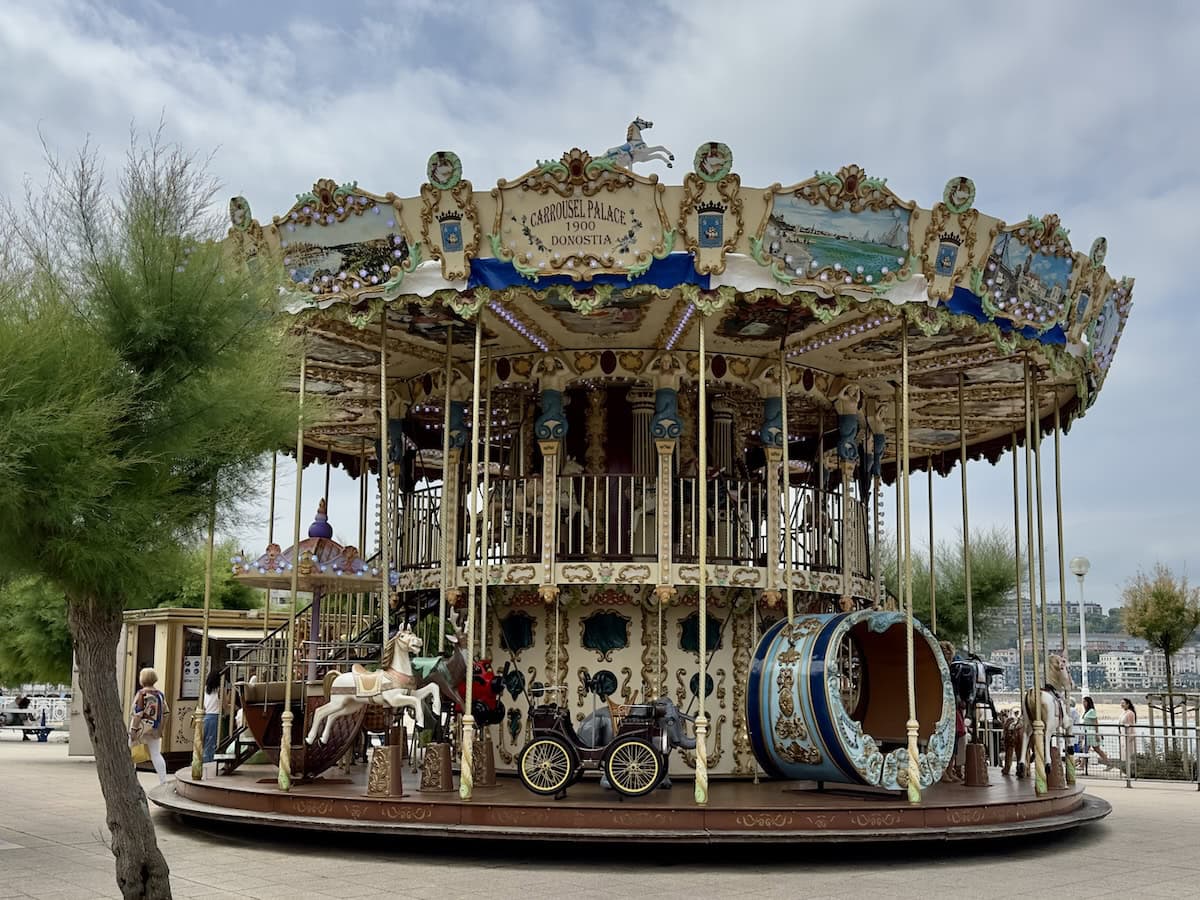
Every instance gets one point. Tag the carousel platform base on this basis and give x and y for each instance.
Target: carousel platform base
(741, 812)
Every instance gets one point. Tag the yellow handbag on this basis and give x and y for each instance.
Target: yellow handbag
(140, 753)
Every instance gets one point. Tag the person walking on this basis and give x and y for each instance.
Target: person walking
(145, 727)
(1091, 732)
(212, 714)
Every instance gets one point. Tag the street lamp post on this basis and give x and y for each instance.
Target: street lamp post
(1079, 568)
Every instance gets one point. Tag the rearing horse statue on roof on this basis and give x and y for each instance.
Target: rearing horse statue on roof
(635, 150)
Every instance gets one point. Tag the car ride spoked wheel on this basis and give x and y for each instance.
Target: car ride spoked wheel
(634, 768)
(546, 766)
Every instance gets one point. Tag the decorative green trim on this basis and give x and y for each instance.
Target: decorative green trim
(552, 167)
(875, 184)
(587, 302)
(596, 166)
(306, 197)
(345, 190)
(709, 302)
(468, 307)
(828, 178)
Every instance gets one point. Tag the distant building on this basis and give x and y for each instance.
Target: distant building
(1124, 670)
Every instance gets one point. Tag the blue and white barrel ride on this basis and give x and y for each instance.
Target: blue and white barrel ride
(828, 700)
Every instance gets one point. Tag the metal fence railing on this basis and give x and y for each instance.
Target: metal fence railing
(1112, 752)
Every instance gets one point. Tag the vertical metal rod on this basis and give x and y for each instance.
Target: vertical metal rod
(1041, 554)
(912, 726)
(486, 519)
(899, 504)
(966, 525)
(467, 774)
(1058, 515)
(385, 514)
(270, 541)
(448, 516)
(932, 571)
(1039, 747)
(701, 792)
(285, 739)
(198, 729)
(786, 488)
(1017, 561)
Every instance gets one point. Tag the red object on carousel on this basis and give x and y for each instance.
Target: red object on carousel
(488, 688)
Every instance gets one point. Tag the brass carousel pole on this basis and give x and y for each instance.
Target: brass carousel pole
(701, 792)
(1062, 569)
(285, 737)
(362, 527)
(1017, 560)
(966, 535)
(270, 541)
(447, 514)
(198, 715)
(1041, 555)
(912, 726)
(385, 514)
(485, 524)
(932, 571)
(1039, 726)
(784, 383)
(467, 773)
(900, 524)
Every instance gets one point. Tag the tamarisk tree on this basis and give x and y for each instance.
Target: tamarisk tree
(140, 376)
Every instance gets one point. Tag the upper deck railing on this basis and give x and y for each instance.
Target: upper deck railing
(616, 517)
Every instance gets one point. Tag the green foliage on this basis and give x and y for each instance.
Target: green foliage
(993, 579)
(35, 645)
(184, 587)
(1162, 609)
(140, 374)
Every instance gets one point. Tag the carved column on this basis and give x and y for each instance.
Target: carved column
(641, 399)
(597, 420)
(594, 461)
(774, 489)
(743, 758)
(449, 515)
(666, 449)
(550, 463)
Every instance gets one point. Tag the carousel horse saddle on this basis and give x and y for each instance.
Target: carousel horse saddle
(368, 684)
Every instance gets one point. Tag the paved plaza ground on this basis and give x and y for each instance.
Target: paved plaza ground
(52, 845)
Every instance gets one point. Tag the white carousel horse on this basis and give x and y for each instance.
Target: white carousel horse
(1051, 708)
(394, 685)
(635, 150)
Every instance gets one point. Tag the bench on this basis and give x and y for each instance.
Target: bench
(26, 723)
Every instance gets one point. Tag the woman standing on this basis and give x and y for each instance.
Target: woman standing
(1128, 720)
(212, 714)
(149, 711)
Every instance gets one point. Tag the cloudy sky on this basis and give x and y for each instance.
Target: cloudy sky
(1088, 110)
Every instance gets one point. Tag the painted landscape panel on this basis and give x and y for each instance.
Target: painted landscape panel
(810, 239)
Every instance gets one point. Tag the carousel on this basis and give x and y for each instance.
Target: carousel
(634, 446)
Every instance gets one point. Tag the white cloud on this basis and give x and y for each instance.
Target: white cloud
(1091, 112)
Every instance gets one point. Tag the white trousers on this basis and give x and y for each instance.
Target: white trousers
(154, 745)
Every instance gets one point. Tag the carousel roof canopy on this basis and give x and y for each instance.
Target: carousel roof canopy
(582, 270)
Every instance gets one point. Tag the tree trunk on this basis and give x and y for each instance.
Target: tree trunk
(141, 870)
(1170, 691)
